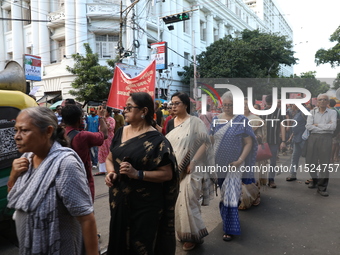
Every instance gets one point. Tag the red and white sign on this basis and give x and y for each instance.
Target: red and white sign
(122, 86)
(159, 53)
(32, 66)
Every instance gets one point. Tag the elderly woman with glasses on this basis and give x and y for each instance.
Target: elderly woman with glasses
(188, 136)
(143, 184)
(234, 145)
(48, 189)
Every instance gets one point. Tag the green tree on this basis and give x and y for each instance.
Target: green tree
(308, 81)
(336, 82)
(332, 55)
(253, 55)
(93, 80)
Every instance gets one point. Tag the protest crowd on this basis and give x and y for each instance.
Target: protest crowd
(150, 154)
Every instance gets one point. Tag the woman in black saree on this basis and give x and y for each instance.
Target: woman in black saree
(143, 181)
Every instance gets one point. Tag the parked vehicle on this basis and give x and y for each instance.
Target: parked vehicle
(12, 100)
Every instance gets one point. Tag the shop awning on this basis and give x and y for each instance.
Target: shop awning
(48, 97)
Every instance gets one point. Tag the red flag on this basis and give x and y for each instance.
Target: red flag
(122, 85)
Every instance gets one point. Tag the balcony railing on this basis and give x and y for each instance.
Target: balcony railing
(103, 10)
(56, 19)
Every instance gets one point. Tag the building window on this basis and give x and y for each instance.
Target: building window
(26, 13)
(186, 26)
(9, 21)
(216, 36)
(61, 50)
(9, 55)
(186, 59)
(29, 50)
(203, 33)
(105, 45)
(238, 11)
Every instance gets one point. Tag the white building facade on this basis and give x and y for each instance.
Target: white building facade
(274, 19)
(54, 30)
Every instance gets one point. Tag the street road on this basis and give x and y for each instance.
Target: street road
(291, 219)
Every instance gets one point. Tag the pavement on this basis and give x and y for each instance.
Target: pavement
(291, 219)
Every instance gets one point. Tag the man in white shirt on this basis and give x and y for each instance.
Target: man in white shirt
(321, 125)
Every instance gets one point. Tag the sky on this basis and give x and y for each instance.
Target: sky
(312, 22)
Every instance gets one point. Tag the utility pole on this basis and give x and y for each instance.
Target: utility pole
(120, 42)
(195, 68)
(121, 23)
(133, 37)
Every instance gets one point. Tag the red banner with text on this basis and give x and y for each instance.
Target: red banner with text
(122, 86)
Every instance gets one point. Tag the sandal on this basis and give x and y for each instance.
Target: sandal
(257, 201)
(308, 181)
(227, 237)
(242, 207)
(99, 173)
(188, 246)
(289, 179)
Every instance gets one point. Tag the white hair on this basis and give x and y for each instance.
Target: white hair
(227, 96)
(325, 95)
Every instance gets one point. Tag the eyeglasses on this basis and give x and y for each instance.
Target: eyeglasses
(169, 108)
(176, 103)
(228, 105)
(128, 108)
(323, 99)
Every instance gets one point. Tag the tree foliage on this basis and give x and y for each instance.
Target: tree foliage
(309, 82)
(253, 55)
(332, 55)
(93, 80)
(336, 82)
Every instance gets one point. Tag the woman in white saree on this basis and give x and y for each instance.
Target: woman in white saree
(190, 141)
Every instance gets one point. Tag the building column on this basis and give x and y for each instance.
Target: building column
(70, 39)
(2, 42)
(44, 34)
(35, 27)
(196, 28)
(81, 26)
(210, 29)
(221, 30)
(17, 32)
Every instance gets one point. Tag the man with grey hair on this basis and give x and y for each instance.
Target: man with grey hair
(296, 140)
(321, 125)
